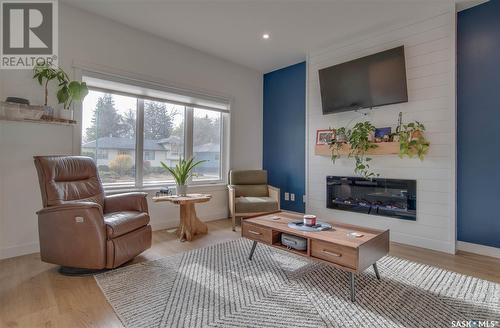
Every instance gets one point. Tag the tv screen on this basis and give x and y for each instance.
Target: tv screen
(371, 81)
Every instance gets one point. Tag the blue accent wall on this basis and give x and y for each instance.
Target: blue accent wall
(478, 130)
(284, 132)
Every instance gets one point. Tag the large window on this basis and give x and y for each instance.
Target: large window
(108, 135)
(131, 136)
(207, 143)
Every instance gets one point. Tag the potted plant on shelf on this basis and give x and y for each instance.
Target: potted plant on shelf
(360, 142)
(70, 91)
(44, 74)
(412, 140)
(181, 173)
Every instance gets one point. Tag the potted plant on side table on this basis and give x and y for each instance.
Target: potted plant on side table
(181, 173)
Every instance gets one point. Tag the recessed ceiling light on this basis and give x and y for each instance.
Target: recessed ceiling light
(265, 36)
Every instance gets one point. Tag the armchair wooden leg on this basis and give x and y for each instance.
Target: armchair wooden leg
(234, 222)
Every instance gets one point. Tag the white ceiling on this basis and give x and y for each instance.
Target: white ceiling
(233, 29)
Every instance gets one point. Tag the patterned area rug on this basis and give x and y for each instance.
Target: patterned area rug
(218, 286)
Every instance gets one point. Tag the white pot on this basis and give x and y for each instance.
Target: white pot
(181, 190)
(66, 114)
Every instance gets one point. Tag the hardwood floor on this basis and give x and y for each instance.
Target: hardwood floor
(34, 294)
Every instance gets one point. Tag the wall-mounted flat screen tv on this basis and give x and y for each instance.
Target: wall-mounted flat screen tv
(371, 81)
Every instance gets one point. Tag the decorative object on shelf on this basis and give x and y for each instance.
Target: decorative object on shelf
(17, 100)
(324, 137)
(412, 141)
(181, 173)
(382, 134)
(19, 112)
(359, 139)
(341, 135)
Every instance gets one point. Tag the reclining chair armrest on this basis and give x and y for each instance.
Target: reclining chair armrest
(73, 234)
(132, 201)
(70, 206)
(275, 194)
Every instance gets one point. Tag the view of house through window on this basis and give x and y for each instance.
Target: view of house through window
(110, 137)
(207, 143)
(163, 139)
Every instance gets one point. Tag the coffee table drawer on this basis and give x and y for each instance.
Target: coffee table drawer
(257, 233)
(338, 254)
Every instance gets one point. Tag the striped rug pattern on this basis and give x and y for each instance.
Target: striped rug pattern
(218, 286)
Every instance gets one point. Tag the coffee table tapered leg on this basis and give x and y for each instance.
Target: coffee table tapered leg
(376, 270)
(353, 286)
(252, 250)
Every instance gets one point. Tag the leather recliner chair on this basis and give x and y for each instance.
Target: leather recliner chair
(79, 226)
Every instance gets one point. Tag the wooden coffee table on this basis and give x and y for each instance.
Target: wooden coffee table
(334, 247)
(190, 225)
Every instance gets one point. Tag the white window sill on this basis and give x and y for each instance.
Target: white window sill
(196, 188)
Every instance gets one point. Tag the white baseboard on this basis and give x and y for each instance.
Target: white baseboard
(478, 249)
(174, 222)
(436, 245)
(19, 250)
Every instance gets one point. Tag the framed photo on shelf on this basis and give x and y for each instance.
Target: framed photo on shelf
(324, 137)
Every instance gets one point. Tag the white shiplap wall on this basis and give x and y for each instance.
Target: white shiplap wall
(430, 63)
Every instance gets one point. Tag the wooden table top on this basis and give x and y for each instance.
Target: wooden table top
(338, 235)
(189, 198)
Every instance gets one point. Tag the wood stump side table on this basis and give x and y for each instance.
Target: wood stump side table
(190, 225)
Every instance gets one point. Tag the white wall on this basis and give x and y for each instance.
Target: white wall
(96, 41)
(430, 59)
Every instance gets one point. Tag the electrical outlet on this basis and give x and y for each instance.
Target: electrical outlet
(292, 197)
(287, 196)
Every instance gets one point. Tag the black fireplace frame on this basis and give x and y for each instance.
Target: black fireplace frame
(405, 202)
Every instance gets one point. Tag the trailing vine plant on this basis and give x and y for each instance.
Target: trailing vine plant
(412, 141)
(359, 140)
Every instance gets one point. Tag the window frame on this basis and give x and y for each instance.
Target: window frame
(139, 183)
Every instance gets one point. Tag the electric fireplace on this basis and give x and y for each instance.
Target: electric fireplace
(395, 198)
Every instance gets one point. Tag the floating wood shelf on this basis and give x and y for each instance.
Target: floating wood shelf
(56, 121)
(384, 148)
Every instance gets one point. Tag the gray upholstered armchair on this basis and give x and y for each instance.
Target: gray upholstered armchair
(249, 194)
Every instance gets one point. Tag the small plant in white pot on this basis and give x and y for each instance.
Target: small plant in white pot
(181, 173)
(70, 91)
